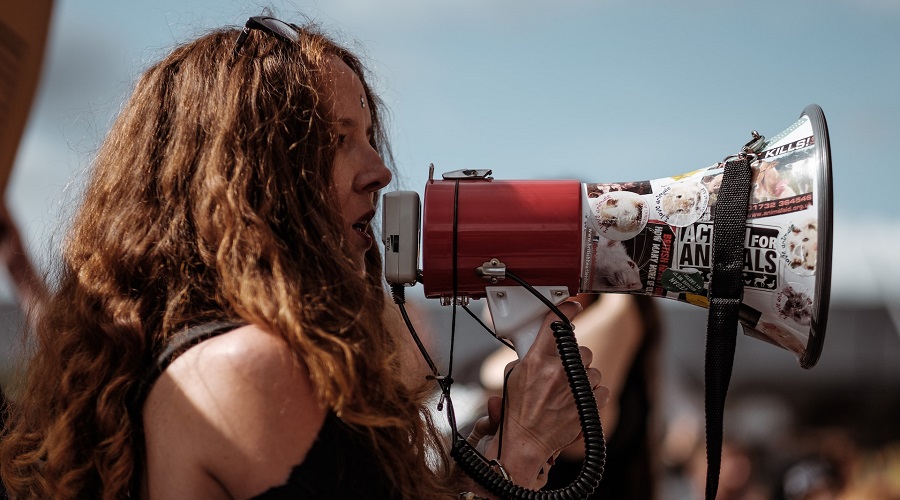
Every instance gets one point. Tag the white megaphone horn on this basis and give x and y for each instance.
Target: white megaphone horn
(646, 237)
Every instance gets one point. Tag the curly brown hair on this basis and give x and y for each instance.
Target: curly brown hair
(209, 199)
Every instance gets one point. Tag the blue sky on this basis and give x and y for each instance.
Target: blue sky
(600, 91)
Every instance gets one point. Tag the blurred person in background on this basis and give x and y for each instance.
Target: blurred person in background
(29, 287)
(28, 283)
(738, 473)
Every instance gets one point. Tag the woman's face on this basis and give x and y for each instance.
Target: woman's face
(358, 171)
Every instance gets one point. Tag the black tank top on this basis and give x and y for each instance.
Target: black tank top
(341, 463)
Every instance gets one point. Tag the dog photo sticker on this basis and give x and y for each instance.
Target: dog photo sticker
(612, 268)
(619, 215)
(794, 302)
(682, 203)
(800, 247)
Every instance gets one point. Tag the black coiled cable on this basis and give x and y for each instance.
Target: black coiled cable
(474, 464)
(478, 467)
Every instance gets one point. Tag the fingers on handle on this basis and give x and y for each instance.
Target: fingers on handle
(601, 394)
(594, 376)
(587, 356)
(545, 340)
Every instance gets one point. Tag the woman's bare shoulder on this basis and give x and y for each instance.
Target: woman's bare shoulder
(237, 411)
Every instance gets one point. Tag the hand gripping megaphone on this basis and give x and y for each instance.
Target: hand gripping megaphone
(649, 237)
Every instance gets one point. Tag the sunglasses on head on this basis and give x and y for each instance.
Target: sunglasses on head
(286, 32)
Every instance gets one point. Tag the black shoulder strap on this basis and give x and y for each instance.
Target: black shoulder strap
(726, 291)
(182, 341)
(178, 344)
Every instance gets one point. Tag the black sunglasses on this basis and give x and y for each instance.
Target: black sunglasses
(286, 32)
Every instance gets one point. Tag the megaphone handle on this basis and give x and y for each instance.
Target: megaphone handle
(478, 468)
(517, 314)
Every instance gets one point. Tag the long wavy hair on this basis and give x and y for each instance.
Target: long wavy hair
(209, 199)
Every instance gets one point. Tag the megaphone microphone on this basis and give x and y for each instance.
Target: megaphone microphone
(650, 237)
(678, 237)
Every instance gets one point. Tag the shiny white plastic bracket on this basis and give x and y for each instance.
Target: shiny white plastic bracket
(518, 315)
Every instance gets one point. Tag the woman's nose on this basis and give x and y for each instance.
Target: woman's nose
(375, 175)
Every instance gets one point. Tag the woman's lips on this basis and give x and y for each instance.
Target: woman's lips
(361, 226)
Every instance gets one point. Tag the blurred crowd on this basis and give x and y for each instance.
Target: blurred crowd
(792, 462)
(772, 449)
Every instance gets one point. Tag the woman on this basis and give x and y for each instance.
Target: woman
(235, 191)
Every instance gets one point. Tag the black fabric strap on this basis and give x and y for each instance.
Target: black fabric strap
(178, 343)
(725, 293)
(182, 341)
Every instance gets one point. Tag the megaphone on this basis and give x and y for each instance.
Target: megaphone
(651, 237)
